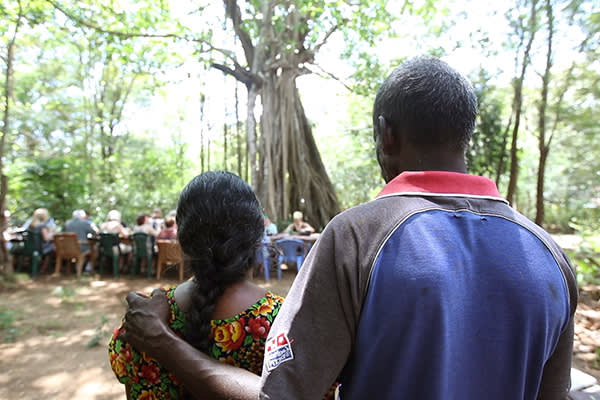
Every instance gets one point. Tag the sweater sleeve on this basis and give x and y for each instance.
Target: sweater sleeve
(312, 336)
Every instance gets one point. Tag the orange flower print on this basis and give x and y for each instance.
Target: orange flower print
(229, 360)
(120, 360)
(258, 327)
(147, 395)
(173, 379)
(147, 358)
(118, 366)
(263, 309)
(150, 373)
(229, 336)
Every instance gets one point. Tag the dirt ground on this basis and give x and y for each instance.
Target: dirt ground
(54, 332)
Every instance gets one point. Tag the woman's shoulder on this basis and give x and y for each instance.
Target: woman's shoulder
(267, 306)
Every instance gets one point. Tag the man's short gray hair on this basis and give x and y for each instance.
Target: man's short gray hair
(79, 214)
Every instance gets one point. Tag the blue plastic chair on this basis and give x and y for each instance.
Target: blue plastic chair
(263, 257)
(290, 250)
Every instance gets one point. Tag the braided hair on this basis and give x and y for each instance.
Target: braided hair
(220, 226)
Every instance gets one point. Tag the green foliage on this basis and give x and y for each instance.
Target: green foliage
(100, 333)
(488, 141)
(56, 183)
(144, 176)
(587, 256)
(7, 328)
(354, 171)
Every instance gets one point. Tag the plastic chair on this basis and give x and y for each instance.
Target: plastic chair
(142, 249)
(67, 248)
(109, 249)
(169, 253)
(32, 248)
(291, 250)
(263, 257)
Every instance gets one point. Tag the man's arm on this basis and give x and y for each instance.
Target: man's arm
(308, 228)
(556, 379)
(146, 329)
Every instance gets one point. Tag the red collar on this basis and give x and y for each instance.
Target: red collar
(440, 183)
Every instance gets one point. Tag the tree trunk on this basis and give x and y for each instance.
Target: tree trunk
(514, 157)
(225, 133)
(225, 146)
(202, 99)
(286, 170)
(8, 94)
(539, 201)
(518, 104)
(293, 174)
(251, 137)
(238, 135)
(500, 166)
(544, 147)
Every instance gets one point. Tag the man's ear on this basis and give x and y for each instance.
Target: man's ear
(388, 140)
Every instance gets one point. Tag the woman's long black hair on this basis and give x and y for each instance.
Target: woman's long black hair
(219, 227)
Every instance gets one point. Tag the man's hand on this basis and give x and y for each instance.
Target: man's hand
(146, 322)
(146, 328)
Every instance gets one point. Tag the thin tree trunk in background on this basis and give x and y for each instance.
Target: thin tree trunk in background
(238, 134)
(251, 137)
(202, 100)
(224, 126)
(544, 148)
(500, 167)
(208, 151)
(4, 254)
(8, 94)
(225, 146)
(518, 105)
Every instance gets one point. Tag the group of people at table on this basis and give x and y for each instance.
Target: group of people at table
(153, 225)
(87, 232)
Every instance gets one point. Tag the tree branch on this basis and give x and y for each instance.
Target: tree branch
(325, 74)
(233, 11)
(238, 73)
(130, 35)
(126, 35)
(318, 46)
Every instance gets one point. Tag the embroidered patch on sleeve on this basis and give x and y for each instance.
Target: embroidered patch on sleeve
(278, 350)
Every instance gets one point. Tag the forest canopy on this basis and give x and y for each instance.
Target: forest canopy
(117, 104)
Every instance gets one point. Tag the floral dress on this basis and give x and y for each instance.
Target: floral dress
(239, 341)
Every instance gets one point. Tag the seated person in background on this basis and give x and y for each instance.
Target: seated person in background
(41, 222)
(220, 311)
(87, 218)
(80, 225)
(114, 225)
(157, 220)
(169, 232)
(7, 233)
(270, 227)
(144, 225)
(299, 227)
(173, 213)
